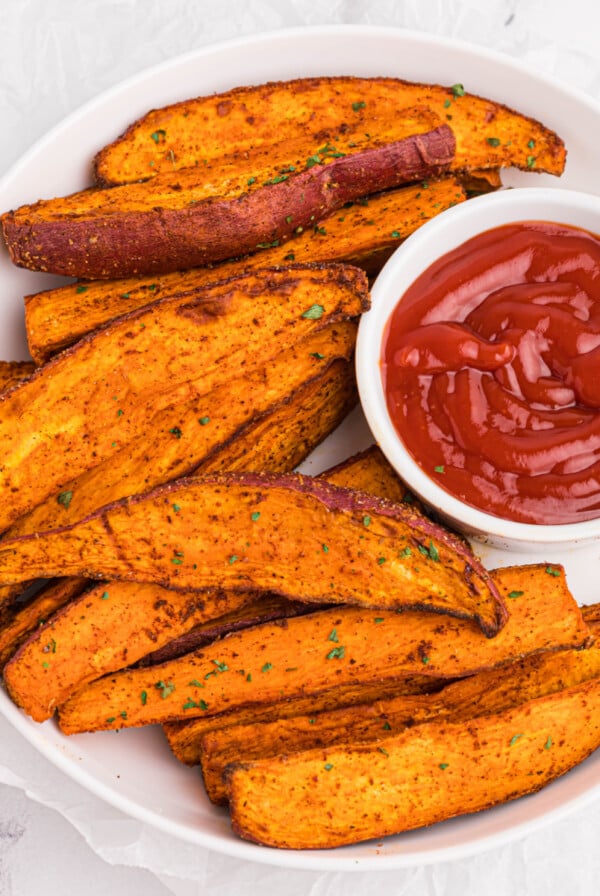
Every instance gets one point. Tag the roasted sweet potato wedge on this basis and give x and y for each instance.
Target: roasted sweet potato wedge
(13, 372)
(18, 621)
(271, 418)
(327, 650)
(103, 392)
(363, 234)
(292, 534)
(76, 646)
(484, 693)
(185, 736)
(309, 112)
(429, 773)
(81, 632)
(178, 221)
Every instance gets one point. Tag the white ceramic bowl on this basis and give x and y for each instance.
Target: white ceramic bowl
(434, 239)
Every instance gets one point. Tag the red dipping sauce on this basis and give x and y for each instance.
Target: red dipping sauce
(491, 368)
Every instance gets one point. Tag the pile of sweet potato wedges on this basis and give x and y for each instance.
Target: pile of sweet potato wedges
(339, 665)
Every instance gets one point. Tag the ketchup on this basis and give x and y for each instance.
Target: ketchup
(491, 367)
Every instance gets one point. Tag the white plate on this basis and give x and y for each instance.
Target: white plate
(133, 770)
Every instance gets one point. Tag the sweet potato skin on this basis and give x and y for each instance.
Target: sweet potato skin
(308, 112)
(363, 235)
(64, 420)
(421, 776)
(340, 646)
(119, 239)
(340, 546)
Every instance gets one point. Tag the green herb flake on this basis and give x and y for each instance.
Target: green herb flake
(458, 90)
(250, 181)
(105, 595)
(366, 521)
(194, 683)
(439, 469)
(530, 161)
(165, 688)
(396, 234)
(387, 726)
(267, 667)
(381, 561)
(123, 714)
(328, 766)
(514, 739)
(443, 765)
(378, 620)
(175, 431)
(332, 636)
(176, 508)
(548, 743)
(447, 103)
(110, 720)
(315, 312)
(384, 751)
(81, 289)
(424, 659)
(531, 143)
(144, 697)
(325, 548)
(65, 499)
(317, 355)
(176, 561)
(159, 135)
(514, 594)
(203, 421)
(255, 516)
(356, 107)
(221, 667)
(552, 571)
(337, 653)
(233, 559)
(492, 141)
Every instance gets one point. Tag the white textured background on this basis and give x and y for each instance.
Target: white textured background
(55, 55)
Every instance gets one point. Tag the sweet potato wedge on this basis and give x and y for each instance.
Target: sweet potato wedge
(13, 372)
(484, 693)
(80, 638)
(309, 112)
(363, 234)
(271, 418)
(76, 645)
(176, 221)
(185, 736)
(22, 618)
(292, 534)
(432, 772)
(329, 649)
(103, 392)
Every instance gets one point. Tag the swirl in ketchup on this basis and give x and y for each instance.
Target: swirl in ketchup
(491, 367)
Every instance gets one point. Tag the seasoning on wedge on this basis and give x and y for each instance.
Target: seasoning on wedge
(363, 234)
(324, 798)
(103, 392)
(325, 651)
(301, 117)
(484, 693)
(291, 534)
(178, 221)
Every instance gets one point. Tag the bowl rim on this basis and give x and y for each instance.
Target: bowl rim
(450, 229)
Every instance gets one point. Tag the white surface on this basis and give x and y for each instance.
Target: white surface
(54, 56)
